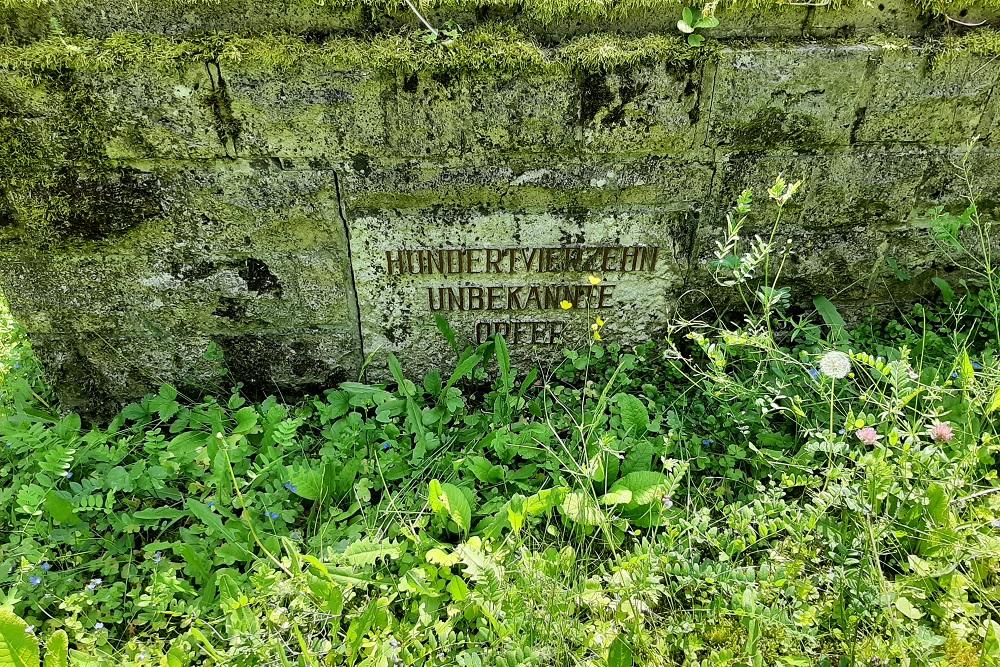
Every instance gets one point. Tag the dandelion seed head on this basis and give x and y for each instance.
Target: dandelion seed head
(834, 364)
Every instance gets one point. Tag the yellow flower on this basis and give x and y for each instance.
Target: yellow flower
(594, 280)
(600, 322)
(566, 305)
(597, 335)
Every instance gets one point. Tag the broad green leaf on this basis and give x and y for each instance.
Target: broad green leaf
(635, 418)
(246, 421)
(581, 508)
(205, 515)
(18, 648)
(307, 482)
(965, 369)
(831, 316)
(544, 500)
(620, 655)
(906, 607)
(60, 508)
(449, 500)
(617, 497)
(991, 644)
(937, 503)
(947, 293)
(645, 487)
(994, 402)
(57, 649)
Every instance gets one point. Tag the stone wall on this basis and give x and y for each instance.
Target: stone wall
(178, 205)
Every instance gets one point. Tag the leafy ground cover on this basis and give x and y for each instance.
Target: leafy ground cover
(777, 491)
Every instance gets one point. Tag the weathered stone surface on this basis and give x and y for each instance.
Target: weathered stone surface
(647, 109)
(868, 17)
(916, 100)
(802, 96)
(277, 207)
(508, 264)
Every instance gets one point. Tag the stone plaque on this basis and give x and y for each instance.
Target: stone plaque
(541, 279)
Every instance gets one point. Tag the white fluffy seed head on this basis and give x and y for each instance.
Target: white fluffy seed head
(835, 364)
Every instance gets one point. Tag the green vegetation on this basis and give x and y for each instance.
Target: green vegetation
(548, 10)
(782, 492)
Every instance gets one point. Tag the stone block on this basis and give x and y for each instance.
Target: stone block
(429, 114)
(647, 109)
(164, 294)
(916, 100)
(507, 264)
(867, 17)
(524, 113)
(99, 371)
(98, 115)
(101, 18)
(800, 96)
(313, 110)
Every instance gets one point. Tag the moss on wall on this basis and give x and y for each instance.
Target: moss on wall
(491, 48)
(553, 9)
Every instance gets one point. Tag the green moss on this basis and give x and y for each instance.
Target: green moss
(550, 10)
(985, 43)
(490, 48)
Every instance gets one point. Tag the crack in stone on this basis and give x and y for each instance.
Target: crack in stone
(355, 303)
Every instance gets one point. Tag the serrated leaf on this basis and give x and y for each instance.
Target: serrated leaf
(366, 552)
(440, 558)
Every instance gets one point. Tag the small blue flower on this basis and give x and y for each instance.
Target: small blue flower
(273, 515)
(706, 442)
(386, 446)
(211, 504)
(46, 566)
(814, 374)
(841, 432)
(34, 580)
(157, 557)
(290, 487)
(954, 376)
(94, 583)
(68, 475)
(976, 366)
(98, 626)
